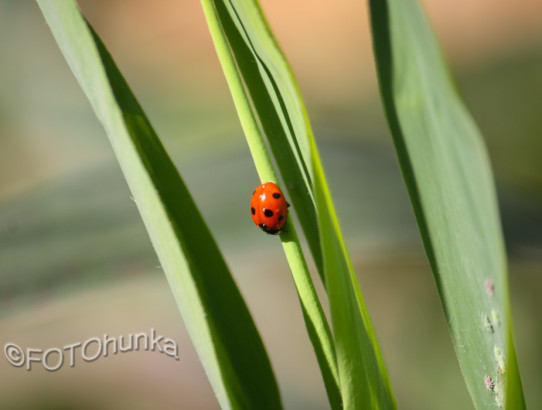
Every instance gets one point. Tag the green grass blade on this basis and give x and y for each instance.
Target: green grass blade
(222, 29)
(448, 176)
(315, 320)
(364, 380)
(265, 93)
(247, 34)
(215, 314)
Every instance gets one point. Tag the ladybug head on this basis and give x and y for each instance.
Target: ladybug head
(269, 231)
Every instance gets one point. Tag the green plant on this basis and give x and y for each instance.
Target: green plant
(444, 166)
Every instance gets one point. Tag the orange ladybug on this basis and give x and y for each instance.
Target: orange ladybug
(269, 208)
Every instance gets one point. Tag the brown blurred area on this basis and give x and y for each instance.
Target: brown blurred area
(329, 48)
(75, 261)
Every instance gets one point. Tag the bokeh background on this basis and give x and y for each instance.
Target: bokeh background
(75, 260)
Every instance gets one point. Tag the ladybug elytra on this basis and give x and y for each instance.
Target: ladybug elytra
(269, 209)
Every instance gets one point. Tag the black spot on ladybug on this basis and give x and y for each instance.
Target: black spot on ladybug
(276, 195)
(268, 213)
(252, 210)
(281, 217)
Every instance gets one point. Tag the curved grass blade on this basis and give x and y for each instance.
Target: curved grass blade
(364, 379)
(215, 314)
(264, 90)
(247, 32)
(318, 329)
(448, 176)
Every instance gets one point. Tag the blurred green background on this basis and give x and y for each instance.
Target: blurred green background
(75, 260)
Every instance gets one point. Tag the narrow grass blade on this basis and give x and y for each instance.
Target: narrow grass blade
(215, 314)
(447, 173)
(223, 29)
(266, 95)
(247, 35)
(364, 380)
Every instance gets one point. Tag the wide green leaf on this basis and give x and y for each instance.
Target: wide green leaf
(269, 105)
(214, 311)
(448, 176)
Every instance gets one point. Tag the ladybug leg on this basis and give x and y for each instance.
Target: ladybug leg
(287, 205)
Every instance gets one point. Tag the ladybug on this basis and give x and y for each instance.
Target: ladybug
(269, 209)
